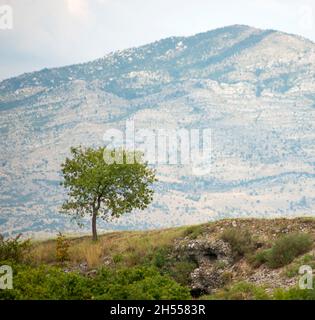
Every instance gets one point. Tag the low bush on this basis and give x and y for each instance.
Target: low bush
(292, 269)
(259, 258)
(180, 271)
(192, 232)
(118, 258)
(160, 257)
(294, 294)
(240, 241)
(249, 291)
(168, 264)
(13, 249)
(62, 248)
(137, 283)
(285, 250)
(241, 291)
(46, 282)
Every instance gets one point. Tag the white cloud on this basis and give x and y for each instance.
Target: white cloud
(78, 8)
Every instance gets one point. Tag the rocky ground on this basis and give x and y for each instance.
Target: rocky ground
(216, 264)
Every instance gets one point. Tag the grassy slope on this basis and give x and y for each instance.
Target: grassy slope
(134, 248)
(128, 246)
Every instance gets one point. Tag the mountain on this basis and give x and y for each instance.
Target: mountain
(254, 88)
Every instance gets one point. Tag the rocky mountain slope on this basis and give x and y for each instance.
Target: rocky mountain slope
(254, 89)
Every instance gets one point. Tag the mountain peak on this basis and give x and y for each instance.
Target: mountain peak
(254, 88)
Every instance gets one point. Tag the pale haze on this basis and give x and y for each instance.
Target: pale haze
(61, 32)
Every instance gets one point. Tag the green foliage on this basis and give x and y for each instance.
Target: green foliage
(259, 258)
(117, 258)
(99, 188)
(13, 249)
(117, 188)
(160, 258)
(220, 264)
(285, 250)
(293, 269)
(248, 291)
(138, 283)
(62, 248)
(180, 271)
(193, 232)
(241, 291)
(240, 241)
(294, 294)
(46, 282)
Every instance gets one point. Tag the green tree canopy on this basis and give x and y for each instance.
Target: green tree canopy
(100, 189)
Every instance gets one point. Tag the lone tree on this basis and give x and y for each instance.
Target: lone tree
(98, 188)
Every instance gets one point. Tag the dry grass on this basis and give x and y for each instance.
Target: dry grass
(93, 255)
(132, 247)
(43, 252)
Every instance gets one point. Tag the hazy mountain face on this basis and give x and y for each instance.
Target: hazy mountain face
(254, 88)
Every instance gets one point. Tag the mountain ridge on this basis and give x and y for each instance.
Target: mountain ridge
(162, 39)
(198, 36)
(254, 88)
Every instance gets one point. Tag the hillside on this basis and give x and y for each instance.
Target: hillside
(254, 88)
(227, 259)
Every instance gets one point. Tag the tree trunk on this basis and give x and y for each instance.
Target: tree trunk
(94, 231)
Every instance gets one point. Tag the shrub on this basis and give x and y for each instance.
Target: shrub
(259, 258)
(133, 258)
(193, 232)
(241, 291)
(47, 282)
(158, 288)
(240, 241)
(167, 264)
(180, 271)
(62, 248)
(13, 249)
(137, 283)
(158, 258)
(220, 264)
(293, 269)
(294, 294)
(285, 250)
(117, 258)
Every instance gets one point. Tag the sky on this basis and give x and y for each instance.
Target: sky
(52, 33)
